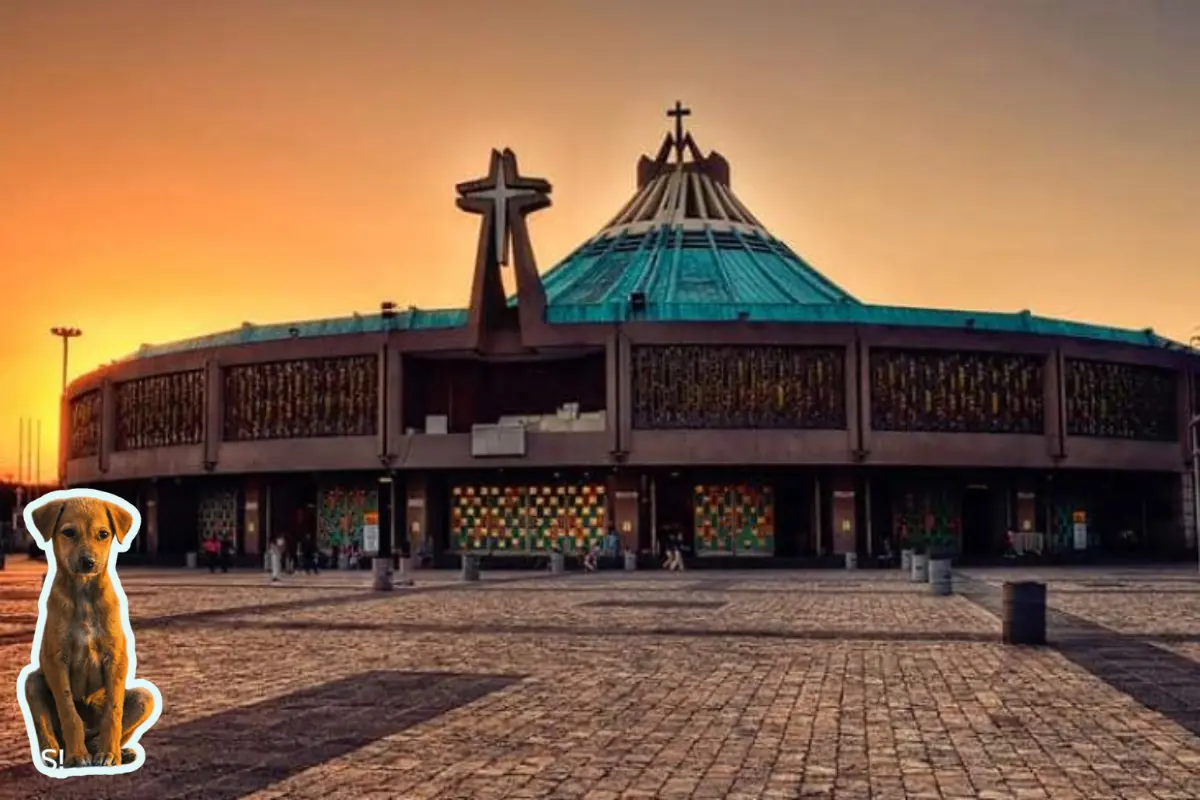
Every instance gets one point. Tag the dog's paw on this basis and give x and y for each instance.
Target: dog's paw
(128, 756)
(105, 760)
(76, 762)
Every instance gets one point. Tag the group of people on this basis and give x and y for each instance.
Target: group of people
(610, 550)
(673, 548)
(218, 552)
(283, 557)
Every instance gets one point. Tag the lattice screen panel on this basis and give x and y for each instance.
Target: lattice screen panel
(734, 520)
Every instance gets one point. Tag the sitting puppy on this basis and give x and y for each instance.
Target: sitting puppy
(79, 704)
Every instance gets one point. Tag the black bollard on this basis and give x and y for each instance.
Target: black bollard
(1024, 620)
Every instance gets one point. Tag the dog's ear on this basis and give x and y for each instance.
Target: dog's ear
(46, 518)
(120, 520)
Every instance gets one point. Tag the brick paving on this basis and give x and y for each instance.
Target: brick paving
(700, 685)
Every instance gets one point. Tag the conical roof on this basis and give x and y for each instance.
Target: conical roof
(685, 246)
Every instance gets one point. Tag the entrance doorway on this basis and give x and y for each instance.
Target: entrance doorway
(293, 508)
(977, 521)
(794, 517)
(674, 509)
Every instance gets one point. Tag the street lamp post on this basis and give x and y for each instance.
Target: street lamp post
(1194, 431)
(66, 334)
(382, 563)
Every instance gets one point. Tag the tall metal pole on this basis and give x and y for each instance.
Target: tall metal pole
(29, 451)
(38, 460)
(1194, 429)
(66, 334)
(21, 453)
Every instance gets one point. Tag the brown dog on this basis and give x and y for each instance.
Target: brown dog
(77, 698)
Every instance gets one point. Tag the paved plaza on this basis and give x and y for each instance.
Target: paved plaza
(644, 685)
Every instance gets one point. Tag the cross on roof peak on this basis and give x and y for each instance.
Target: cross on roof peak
(679, 112)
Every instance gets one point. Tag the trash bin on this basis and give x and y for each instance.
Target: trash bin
(851, 560)
(920, 568)
(470, 567)
(191, 560)
(630, 561)
(940, 582)
(558, 563)
(1024, 613)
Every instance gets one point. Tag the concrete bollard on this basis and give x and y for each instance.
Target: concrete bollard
(405, 578)
(1024, 613)
(382, 569)
(630, 561)
(940, 580)
(470, 567)
(906, 561)
(558, 563)
(920, 568)
(191, 560)
(851, 560)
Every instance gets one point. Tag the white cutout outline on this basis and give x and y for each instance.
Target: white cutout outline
(131, 682)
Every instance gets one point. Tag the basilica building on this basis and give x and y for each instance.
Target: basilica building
(682, 372)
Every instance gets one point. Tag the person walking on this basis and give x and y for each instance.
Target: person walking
(226, 555)
(276, 552)
(212, 553)
(612, 546)
(308, 549)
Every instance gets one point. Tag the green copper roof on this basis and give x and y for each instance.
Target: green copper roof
(686, 249)
(853, 314)
(669, 265)
(412, 319)
(610, 311)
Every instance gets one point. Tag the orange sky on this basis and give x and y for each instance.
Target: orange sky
(171, 169)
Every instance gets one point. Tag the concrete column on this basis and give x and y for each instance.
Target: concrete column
(1054, 402)
(214, 411)
(391, 411)
(818, 499)
(863, 366)
(843, 516)
(625, 499)
(625, 391)
(108, 423)
(252, 514)
(1187, 510)
(852, 380)
(1183, 406)
(416, 511)
(149, 511)
(1026, 519)
(612, 384)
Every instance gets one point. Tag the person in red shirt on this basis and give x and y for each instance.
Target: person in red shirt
(212, 553)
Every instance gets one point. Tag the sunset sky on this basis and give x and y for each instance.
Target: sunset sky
(169, 169)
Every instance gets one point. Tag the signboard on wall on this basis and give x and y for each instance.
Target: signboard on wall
(371, 532)
(1081, 536)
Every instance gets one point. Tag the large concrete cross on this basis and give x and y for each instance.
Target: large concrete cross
(494, 193)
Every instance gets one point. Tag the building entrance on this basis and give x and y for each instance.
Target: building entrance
(977, 519)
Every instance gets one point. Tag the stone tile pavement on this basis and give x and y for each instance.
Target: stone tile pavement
(700, 685)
